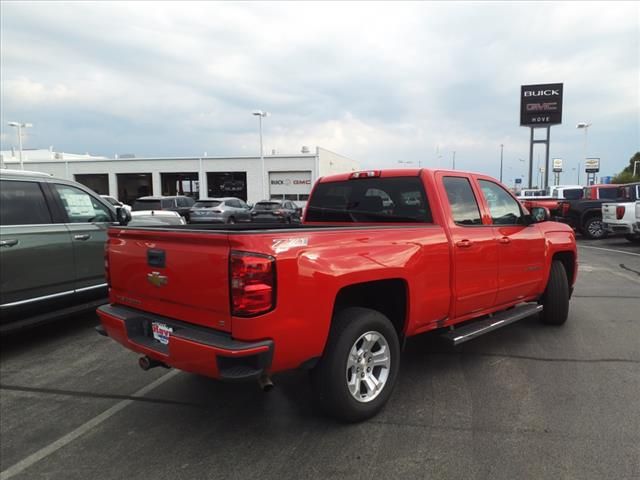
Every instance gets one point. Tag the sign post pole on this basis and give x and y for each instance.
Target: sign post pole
(531, 161)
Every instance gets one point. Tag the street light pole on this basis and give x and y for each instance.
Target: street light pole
(585, 126)
(260, 114)
(501, 152)
(454, 161)
(20, 126)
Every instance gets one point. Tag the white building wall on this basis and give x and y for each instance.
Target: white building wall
(155, 166)
(330, 163)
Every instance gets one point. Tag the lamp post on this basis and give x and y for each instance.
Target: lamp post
(20, 126)
(260, 114)
(585, 126)
(453, 161)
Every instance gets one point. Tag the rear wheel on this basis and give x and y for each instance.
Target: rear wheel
(594, 228)
(555, 299)
(358, 370)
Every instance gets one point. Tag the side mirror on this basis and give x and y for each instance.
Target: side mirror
(540, 214)
(123, 215)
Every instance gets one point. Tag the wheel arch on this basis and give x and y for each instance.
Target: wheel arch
(568, 260)
(388, 296)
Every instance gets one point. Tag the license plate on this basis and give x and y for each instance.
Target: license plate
(161, 332)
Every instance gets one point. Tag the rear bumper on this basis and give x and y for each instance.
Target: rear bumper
(623, 228)
(190, 348)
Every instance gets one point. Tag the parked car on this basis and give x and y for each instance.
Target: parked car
(606, 191)
(179, 203)
(281, 211)
(152, 217)
(532, 192)
(220, 210)
(572, 192)
(52, 235)
(115, 202)
(585, 214)
(339, 293)
(620, 217)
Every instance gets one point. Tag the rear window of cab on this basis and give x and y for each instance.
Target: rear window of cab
(374, 200)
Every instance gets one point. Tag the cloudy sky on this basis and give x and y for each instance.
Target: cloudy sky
(379, 82)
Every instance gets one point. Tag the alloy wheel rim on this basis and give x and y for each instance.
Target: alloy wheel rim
(596, 229)
(368, 366)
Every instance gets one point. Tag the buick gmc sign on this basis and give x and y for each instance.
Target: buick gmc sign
(541, 104)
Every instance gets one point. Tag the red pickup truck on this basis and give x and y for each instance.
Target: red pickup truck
(380, 256)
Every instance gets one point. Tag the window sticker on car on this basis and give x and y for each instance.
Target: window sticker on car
(78, 204)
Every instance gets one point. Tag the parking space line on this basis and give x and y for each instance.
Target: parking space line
(81, 430)
(101, 396)
(609, 250)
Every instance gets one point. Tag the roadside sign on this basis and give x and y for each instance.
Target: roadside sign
(541, 104)
(557, 165)
(518, 181)
(592, 165)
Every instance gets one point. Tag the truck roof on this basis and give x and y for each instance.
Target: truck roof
(391, 172)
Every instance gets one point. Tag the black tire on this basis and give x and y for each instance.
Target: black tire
(633, 237)
(329, 377)
(594, 229)
(555, 299)
(231, 220)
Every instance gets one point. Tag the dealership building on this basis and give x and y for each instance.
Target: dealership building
(127, 177)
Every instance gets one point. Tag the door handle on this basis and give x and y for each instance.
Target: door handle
(464, 243)
(504, 240)
(83, 236)
(8, 243)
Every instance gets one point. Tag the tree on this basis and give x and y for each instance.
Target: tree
(626, 175)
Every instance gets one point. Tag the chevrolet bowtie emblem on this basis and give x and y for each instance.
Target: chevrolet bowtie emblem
(157, 280)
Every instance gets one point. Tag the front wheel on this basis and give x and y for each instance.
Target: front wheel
(594, 228)
(359, 368)
(555, 299)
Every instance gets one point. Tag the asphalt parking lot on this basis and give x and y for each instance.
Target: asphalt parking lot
(527, 401)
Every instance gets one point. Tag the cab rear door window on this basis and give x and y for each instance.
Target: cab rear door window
(464, 206)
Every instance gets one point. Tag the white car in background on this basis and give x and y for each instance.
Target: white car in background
(622, 217)
(151, 218)
(116, 203)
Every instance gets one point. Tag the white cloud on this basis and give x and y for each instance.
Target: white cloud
(376, 81)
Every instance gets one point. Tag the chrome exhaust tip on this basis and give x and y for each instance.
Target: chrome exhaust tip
(265, 383)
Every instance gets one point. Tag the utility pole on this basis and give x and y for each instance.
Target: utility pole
(453, 163)
(501, 152)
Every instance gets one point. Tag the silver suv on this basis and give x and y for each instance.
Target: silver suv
(52, 235)
(220, 210)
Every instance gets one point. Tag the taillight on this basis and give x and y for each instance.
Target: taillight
(107, 274)
(620, 212)
(253, 283)
(367, 174)
(565, 209)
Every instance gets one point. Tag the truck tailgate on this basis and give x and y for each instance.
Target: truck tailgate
(609, 212)
(180, 275)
